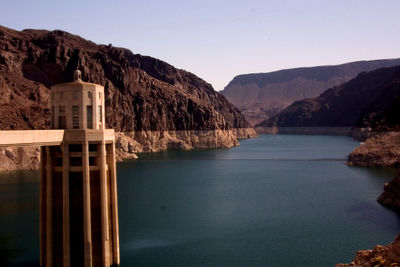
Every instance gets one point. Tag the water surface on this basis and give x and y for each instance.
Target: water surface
(278, 200)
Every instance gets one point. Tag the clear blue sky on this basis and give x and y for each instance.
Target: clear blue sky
(219, 39)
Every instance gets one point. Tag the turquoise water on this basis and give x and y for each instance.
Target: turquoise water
(278, 200)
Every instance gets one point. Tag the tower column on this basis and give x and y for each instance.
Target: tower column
(65, 186)
(114, 204)
(42, 204)
(87, 229)
(104, 205)
(49, 209)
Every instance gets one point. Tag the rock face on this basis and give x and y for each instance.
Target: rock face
(142, 93)
(262, 95)
(391, 194)
(383, 149)
(369, 100)
(152, 141)
(27, 158)
(382, 256)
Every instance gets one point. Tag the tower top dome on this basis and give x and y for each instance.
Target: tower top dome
(77, 76)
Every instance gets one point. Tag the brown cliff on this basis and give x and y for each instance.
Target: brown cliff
(142, 93)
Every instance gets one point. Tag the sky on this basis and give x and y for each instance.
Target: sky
(219, 39)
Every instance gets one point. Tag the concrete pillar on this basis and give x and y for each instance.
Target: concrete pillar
(42, 205)
(49, 209)
(114, 205)
(65, 186)
(87, 229)
(104, 205)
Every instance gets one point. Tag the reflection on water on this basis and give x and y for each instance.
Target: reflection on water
(19, 227)
(142, 244)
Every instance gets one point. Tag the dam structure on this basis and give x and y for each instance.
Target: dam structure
(78, 187)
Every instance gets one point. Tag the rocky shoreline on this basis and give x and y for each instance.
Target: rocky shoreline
(355, 132)
(381, 256)
(391, 194)
(129, 143)
(381, 150)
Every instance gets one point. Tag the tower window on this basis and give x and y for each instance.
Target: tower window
(61, 109)
(75, 117)
(90, 95)
(89, 117)
(62, 123)
(75, 94)
(100, 114)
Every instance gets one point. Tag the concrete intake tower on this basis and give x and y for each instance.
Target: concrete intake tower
(78, 191)
(78, 187)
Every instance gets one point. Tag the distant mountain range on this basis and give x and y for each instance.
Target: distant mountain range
(262, 95)
(371, 99)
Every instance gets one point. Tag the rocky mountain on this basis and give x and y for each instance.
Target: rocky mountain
(370, 100)
(262, 95)
(142, 92)
(155, 105)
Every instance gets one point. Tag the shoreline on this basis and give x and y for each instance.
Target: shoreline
(355, 132)
(127, 144)
(380, 150)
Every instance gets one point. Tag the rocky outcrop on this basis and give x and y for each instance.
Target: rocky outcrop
(262, 95)
(380, 150)
(391, 194)
(153, 141)
(369, 100)
(142, 93)
(17, 158)
(383, 149)
(380, 256)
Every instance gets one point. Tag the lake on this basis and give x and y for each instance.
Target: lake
(278, 200)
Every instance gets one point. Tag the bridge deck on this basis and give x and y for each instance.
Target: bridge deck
(31, 137)
(49, 137)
